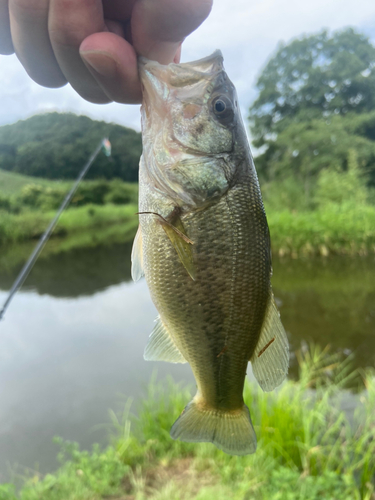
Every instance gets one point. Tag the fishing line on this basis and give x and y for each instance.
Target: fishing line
(104, 145)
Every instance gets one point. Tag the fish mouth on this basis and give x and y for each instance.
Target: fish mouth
(194, 70)
(159, 77)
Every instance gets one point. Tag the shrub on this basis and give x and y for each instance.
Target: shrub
(338, 187)
(46, 198)
(91, 192)
(121, 193)
(5, 203)
(286, 194)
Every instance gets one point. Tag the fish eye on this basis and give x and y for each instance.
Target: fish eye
(223, 108)
(220, 106)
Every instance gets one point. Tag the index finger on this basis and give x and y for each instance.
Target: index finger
(6, 45)
(159, 27)
(69, 23)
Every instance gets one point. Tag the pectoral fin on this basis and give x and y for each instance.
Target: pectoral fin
(161, 346)
(180, 241)
(137, 257)
(181, 245)
(270, 360)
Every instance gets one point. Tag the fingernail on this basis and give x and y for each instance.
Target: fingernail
(101, 63)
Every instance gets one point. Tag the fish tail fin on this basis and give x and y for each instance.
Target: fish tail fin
(230, 431)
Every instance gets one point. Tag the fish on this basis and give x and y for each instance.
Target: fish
(203, 245)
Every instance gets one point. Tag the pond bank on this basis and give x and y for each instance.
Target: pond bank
(74, 221)
(307, 451)
(333, 230)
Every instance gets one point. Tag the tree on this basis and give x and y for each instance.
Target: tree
(56, 146)
(302, 150)
(314, 77)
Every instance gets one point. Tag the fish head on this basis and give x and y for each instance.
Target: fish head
(189, 120)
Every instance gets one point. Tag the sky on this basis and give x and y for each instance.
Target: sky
(246, 31)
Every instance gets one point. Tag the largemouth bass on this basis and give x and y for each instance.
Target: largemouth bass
(203, 245)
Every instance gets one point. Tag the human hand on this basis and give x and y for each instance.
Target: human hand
(93, 44)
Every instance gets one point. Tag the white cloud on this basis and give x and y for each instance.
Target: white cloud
(20, 97)
(246, 32)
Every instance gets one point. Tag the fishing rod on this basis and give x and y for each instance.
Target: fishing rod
(104, 145)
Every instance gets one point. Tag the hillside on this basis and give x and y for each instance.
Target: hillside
(56, 145)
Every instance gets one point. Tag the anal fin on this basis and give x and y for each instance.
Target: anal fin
(270, 360)
(161, 346)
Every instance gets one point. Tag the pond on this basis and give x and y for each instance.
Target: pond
(71, 343)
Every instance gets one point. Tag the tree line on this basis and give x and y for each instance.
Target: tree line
(56, 146)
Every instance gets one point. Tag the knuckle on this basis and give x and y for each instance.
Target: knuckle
(28, 7)
(66, 35)
(71, 21)
(184, 17)
(68, 6)
(194, 9)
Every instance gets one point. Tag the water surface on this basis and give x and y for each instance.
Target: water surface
(71, 344)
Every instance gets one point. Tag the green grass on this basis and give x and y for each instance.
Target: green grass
(12, 183)
(32, 224)
(307, 448)
(28, 204)
(334, 229)
(346, 228)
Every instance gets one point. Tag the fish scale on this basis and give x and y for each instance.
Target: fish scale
(203, 246)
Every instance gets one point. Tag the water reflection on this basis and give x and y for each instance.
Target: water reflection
(329, 301)
(81, 271)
